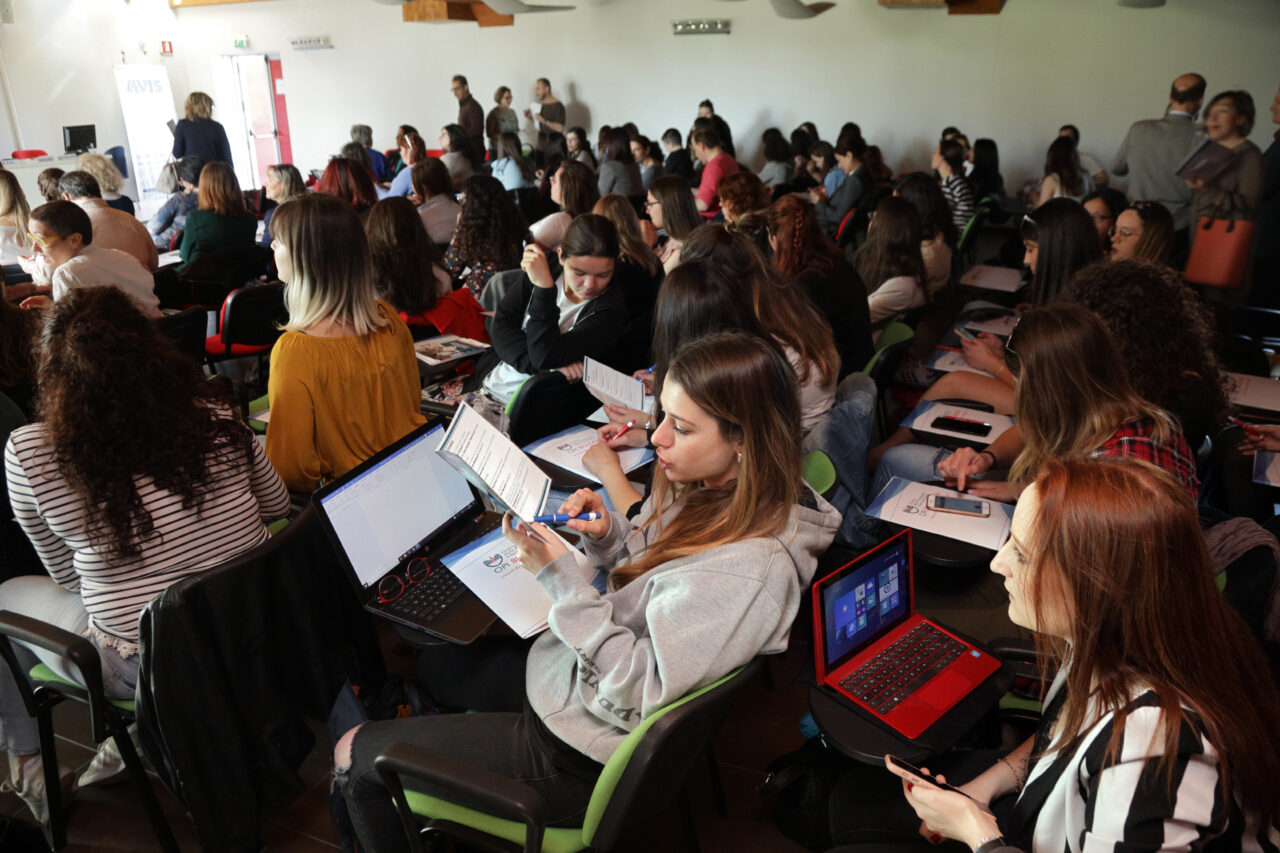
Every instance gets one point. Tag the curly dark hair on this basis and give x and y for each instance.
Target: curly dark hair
(1164, 333)
(120, 402)
(490, 226)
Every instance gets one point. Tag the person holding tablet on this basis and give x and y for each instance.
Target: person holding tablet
(344, 379)
(1161, 729)
(708, 576)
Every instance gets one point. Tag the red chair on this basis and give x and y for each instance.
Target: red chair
(248, 322)
(29, 154)
(844, 223)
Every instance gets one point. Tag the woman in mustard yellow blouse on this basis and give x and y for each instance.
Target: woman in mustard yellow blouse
(344, 379)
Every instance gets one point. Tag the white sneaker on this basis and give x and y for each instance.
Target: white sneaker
(107, 766)
(27, 781)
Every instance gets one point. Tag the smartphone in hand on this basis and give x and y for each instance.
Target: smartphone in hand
(965, 333)
(923, 776)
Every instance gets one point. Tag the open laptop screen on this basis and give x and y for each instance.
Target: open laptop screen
(869, 597)
(387, 511)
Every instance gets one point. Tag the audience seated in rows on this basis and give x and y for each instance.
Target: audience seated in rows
(413, 150)
(347, 180)
(890, 262)
(284, 182)
(618, 172)
(671, 209)
(171, 218)
(574, 188)
(113, 229)
(717, 163)
(457, 156)
(1143, 232)
(511, 167)
(938, 235)
(948, 162)
(648, 159)
(220, 230)
(13, 219)
(638, 274)
(109, 180)
(489, 237)
(436, 206)
(362, 135)
(1104, 205)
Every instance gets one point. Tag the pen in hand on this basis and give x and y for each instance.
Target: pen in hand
(629, 424)
(560, 518)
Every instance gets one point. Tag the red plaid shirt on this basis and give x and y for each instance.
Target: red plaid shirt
(1133, 441)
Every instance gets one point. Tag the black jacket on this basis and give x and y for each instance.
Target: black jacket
(539, 345)
(233, 662)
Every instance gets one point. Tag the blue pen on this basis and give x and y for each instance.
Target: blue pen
(562, 519)
(650, 369)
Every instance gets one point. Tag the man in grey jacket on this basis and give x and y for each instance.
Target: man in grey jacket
(1155, 147)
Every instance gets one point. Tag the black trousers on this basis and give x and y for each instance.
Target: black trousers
(506, 737)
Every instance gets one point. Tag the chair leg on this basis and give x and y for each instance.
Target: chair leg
(164, 833)
(717, 782)
(690, 826)
(52, 783)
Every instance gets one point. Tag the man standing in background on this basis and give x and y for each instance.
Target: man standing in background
(470, 114)
(550, 117)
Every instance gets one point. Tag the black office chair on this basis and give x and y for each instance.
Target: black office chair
(42, 689)
(249, 325)
(643, 777)
(546, 404)
(186, 329)
(17, 557)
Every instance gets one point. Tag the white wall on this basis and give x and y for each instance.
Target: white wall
(902, 74)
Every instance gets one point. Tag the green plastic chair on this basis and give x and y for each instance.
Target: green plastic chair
(644, 774)
(894, 341)
(891, 335)
(819, 472)
(108, 718)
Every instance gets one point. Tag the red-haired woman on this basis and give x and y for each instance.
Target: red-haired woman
(1161, 730)
(349, 181)
(804, 253)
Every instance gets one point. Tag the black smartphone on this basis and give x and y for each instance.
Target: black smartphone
(963, 425)
(928, 777)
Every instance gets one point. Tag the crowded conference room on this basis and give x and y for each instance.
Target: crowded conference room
(628, 425)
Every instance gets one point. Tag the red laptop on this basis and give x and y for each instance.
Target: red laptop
(873, 649)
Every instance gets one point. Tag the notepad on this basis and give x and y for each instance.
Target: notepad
(947, 360)
(1003, 279)
(1002, 326)
(922, 417)
(490, 567)
(1205, 162)
(904, 502)
(1255, 392)
(444, 349)
(567, 448)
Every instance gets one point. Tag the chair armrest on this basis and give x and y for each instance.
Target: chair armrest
(463, 784)
(79, 650)
(1014, 649)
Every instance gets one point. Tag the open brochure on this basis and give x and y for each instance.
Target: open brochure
(1266, 468)
(922, 417)
(1255, 392)
(444, 349)
(612, 387)
(490, 462)
(1205, 162)
(948, 359)
(490, 567)
(567, 448)
(905, 503)
(1003, 279)
(1002, 326)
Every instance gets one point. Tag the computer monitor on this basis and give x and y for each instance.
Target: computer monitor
(78, 138)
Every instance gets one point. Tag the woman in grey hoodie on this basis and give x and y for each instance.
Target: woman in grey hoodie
(708, 576)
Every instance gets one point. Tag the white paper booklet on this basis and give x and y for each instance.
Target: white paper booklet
(1001, 326)
(490, 567)
(567, 448)
(1255, 392)
(488, 459)
(610, 386)
(1266, 468)
(948, 359)
(922, 417)
(1003, 279)
(443, 349)
(904, 502)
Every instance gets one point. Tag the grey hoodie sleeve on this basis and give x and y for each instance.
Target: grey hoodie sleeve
(622, 676)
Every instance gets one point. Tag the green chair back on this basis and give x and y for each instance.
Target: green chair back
(819, 472)
(558, 839)
(894, 333)
(41, 672)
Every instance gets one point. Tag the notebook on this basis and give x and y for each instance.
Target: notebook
(392, 519)
(872, 649)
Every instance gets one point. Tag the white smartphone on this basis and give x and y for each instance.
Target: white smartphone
(960, 506)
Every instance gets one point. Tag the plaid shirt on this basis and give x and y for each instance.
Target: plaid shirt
(1133, 441)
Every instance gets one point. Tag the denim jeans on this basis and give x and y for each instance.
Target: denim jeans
(844, 436)
(41, 598)
(915, 462)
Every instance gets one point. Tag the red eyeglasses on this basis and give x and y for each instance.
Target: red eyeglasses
(393, 585)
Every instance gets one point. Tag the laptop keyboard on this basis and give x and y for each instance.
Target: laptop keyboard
(423, 602)
(884, 681)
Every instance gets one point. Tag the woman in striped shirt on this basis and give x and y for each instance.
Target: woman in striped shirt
(1161, 730)
(137, 475)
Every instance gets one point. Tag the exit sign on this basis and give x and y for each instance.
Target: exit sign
(242, 41)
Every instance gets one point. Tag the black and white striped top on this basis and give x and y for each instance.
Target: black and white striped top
(1083, 803)
(238, 498)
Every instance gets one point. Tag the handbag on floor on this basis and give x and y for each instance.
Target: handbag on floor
(1220, 252)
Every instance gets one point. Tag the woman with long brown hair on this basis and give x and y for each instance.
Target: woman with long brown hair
(413, 149)
(573, 187)
(890, 261)
(708, 576)
(1161, 730)
(122, 492)
(805, 255)
(1073, 398)
(670, 207)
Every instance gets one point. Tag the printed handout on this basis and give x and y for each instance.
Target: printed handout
(948, 359)
(567, 448)
(612, 387)
(1255, 392)
(488, 459)
(922, 417)
(490, 567)
(906, 503)
(446, 348)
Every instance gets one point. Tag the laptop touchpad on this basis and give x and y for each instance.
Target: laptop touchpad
(943, 691)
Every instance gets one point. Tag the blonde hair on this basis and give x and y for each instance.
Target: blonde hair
(619, 211)
(332, 271)
(13, 205)
(198, 105)
(102, 169)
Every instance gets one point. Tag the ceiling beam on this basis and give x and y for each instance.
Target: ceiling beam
(432, 11)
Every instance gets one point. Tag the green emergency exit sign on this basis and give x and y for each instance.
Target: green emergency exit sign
(242, 41)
